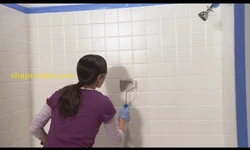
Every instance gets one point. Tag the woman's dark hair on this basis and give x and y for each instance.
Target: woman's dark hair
(89, 67)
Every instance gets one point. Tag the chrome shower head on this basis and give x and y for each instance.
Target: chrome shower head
(204, 14)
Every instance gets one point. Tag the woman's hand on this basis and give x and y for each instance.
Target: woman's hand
(125, 114)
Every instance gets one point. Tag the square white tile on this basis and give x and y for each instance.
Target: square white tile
(124, 15)
(83, 17)
(111, 15)
(126, 57)
(98, 30)
(84, 45)
(97, 16)
(112, 43)
(153, 41)
(84, 31)
(112, 57)
(70, 18)
(125, 29)
(98, 44)
(139, 42)
(125, 43)
(153, 27)
(139, 28)
(71, 46)
(168, 26)
(111, 29)
(138, 14)
(70, 32)
(140, 56)
(57, 33)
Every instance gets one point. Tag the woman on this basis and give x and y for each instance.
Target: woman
(77, 111)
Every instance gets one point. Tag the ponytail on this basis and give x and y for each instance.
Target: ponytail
(88, 69)
(70, 100)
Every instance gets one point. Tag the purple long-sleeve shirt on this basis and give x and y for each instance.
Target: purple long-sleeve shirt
(80, 130)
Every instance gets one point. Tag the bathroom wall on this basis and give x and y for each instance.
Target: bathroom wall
(15, 104)
(228, 72)
(175, 57)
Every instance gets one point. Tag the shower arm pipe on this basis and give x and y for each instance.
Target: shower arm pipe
(212, 5)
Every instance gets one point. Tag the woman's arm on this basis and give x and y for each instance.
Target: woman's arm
(113, 132)
(39, 122)
(121, 124)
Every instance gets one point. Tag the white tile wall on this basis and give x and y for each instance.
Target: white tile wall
(15, 104)
(183, 71)
(173, 55)
(229, 110)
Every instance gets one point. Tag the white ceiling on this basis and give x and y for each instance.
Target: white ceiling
(56, 4)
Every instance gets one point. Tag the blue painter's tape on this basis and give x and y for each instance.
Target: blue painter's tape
(216, 5)
(240, 74)
(70, 8)
(18, 7)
